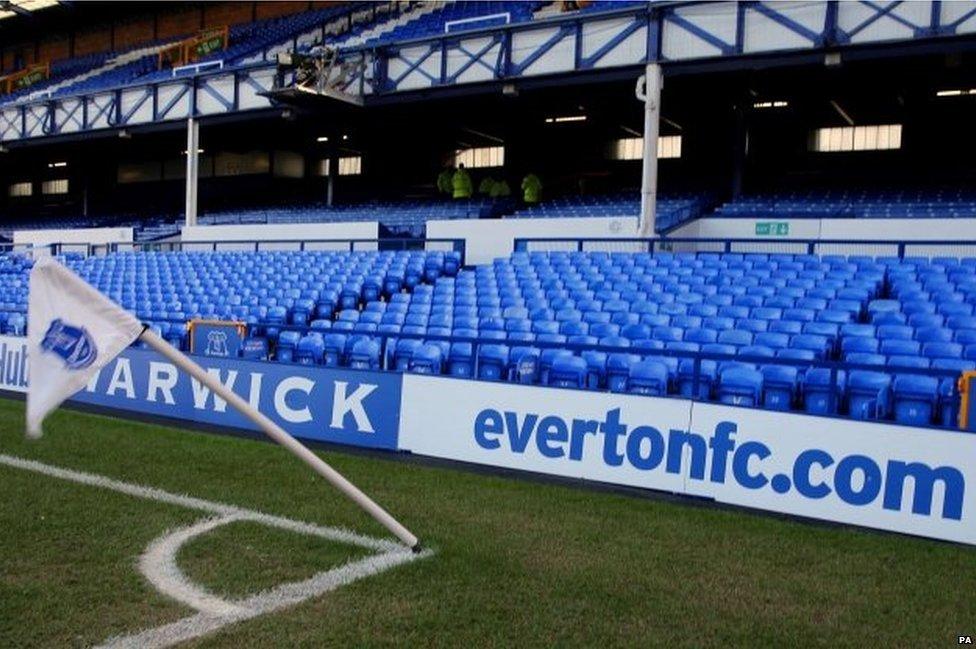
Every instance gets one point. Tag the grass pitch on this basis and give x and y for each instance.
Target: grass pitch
(517, 563)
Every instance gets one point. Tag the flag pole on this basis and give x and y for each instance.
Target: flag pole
(275, 432)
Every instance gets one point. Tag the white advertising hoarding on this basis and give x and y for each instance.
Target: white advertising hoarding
(910, 480)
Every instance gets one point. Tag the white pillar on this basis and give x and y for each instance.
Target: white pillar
(333, 170)
(192, 170)
(652, 120)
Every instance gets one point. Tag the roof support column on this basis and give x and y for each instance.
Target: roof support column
(649, 91)
(192, 170)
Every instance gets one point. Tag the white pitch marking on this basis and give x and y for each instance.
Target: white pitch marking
(269, 601)
(150, 493)
(158, 562)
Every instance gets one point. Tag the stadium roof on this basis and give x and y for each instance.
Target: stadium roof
(11, 8)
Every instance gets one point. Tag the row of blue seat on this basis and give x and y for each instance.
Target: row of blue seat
(908, 398)
(806, 308)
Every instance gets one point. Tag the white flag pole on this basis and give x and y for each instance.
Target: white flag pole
(279, 435)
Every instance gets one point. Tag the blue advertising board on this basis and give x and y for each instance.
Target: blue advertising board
(359, 408)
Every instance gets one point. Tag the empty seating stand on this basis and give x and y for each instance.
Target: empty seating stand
(258, 41)
(870, 338)
(949, 202)
(399, 218)
(671, 210)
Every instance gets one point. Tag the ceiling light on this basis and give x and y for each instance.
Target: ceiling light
(956, 92)
(565, 118)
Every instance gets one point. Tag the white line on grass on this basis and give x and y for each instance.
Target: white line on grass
(189, 502)
(158, 562)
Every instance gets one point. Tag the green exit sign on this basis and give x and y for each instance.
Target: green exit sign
(772, 229)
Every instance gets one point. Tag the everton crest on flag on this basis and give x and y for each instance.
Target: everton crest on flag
(73, 344)
(73, 331)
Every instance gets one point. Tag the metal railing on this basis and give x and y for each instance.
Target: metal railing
(232, 245)
(872, 247)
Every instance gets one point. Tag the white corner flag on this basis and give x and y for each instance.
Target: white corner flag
(73, 331)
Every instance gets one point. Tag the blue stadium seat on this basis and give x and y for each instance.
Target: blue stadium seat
(568, 371)
(333, 349)
(772, 340)
(908, 362)
(915, 399)
(460, 360)
(310, 349)
(492, 362)
(820, 395)
(286, 345)
(648, 377)
(364, 354)
(740, 386)
(898, 347)
(819, 345)
(942, 350)
(426, 359)
(859, 345)
(780, 386)
(618, 370)
(596, 368)
(524, 365)
(735, 337)
(788, 327)
(869, 394)
(403, 353)
(896, 332)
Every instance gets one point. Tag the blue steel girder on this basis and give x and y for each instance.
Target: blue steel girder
(228, 104)
(248, 79)
(727, 33)
(69, 116)
(168, 106)
(503, 67)
(357, 78)
(880, 11)
(8, 124)
(551, 42)
(950, 28)
(116, 118)
(41, 114)
(146, 95)
(587, 62)
(414, 65)
(101, 110)
(816, 39)
(473, 58)
(727, 49)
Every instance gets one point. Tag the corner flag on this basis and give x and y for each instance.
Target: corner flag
(73, 331)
